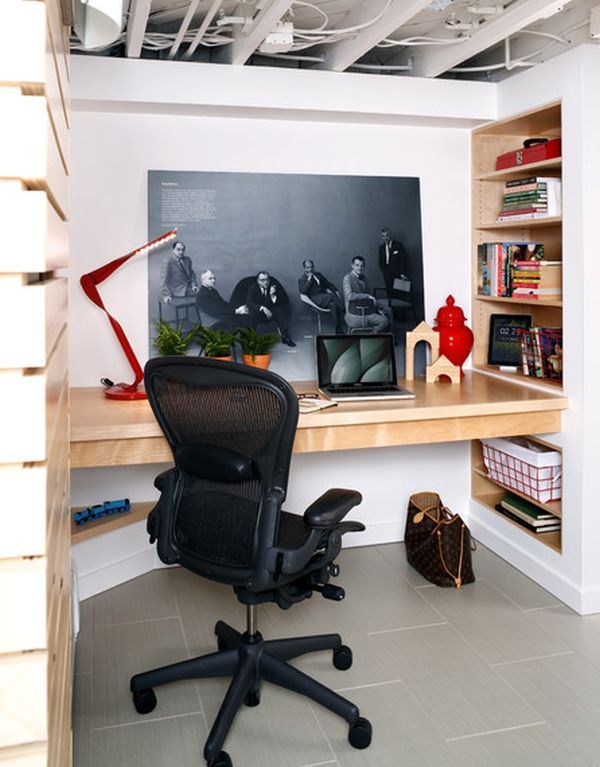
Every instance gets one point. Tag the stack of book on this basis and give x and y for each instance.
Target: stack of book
(531, 517)
(535, 197)
(536, 279)
(495, 261)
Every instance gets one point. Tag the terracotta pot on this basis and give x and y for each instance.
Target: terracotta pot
(229, 358)
(259, 361)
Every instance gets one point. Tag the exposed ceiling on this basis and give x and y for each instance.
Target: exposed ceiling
(466, 39)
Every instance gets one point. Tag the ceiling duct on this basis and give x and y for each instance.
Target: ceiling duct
(98, 23)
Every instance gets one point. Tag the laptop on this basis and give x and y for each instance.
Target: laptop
(354, 367)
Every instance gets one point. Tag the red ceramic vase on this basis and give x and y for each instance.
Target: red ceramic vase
(456, 339)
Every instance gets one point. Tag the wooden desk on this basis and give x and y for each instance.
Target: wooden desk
(109, 433)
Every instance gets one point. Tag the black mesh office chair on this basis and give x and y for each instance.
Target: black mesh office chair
(231, 430)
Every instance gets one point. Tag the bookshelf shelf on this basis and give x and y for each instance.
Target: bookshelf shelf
(488, 492)
(526, 223)
(557, 304)
(488, 142)
(518, 377)
(522, 171)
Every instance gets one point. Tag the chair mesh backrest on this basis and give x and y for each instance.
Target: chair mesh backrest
(222, 406)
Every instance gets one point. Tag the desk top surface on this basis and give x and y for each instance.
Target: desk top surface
(93, 417)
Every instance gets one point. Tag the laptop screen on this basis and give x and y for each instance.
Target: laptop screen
(346, 360)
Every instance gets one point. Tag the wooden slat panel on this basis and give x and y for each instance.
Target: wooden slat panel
(23, 713)
(28, 58)
(28, 408)
(28, 147)
(23, 604)
(35, 238)
(39, 311)
(28, 755)
(34, 494)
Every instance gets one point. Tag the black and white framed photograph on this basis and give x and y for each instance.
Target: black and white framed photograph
(504, 346)
(293, 254)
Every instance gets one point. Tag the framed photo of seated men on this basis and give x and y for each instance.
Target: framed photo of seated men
(294, 254)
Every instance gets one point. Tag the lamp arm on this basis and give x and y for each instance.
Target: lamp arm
(89, 284)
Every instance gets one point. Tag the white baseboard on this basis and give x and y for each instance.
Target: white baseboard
(115, 573)
(382, 532)
(540, 572)
(113, 564)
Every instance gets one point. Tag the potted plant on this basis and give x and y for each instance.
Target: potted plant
(256, 346)
(170, 340)
(217, 342)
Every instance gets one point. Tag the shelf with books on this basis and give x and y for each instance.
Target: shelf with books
(533, 190)
(489, 493)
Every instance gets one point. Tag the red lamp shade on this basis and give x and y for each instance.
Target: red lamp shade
(121, 391)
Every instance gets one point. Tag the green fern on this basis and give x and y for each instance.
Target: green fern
(171, 341)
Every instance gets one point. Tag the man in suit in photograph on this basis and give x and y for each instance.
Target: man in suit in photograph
(393, 261)
(268, 302)
(321, 292)
(178, 278)
(362, 308)
(215, 310)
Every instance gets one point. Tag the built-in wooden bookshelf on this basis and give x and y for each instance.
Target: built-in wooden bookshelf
(488, 142)
(489, 492)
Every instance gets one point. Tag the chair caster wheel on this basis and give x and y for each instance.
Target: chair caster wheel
(360, 733)
(222, 760)
(342, 658)
(144, 701)
(252, 698)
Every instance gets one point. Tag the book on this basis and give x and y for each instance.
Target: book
(532, 181)
(528, 511)
(527, 525)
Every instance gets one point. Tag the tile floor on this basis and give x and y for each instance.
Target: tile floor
(497, 674)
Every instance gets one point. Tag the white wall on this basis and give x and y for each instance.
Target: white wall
(574, 576)
(130, 117)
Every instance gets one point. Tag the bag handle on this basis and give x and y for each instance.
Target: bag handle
(458, 577)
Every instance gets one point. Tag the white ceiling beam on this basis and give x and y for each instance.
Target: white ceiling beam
(183, 28)
(434, 61)
(339, 56)
(251, 37)
(136, 27)
(206, 21)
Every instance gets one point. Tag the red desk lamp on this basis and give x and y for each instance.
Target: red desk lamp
(121, 391)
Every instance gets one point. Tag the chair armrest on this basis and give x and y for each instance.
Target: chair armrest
(331, 508)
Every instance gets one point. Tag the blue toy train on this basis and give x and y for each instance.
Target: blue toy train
(90, 513)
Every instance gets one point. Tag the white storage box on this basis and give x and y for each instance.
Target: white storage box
(524, 465)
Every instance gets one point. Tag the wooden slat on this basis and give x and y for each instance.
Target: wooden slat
(23, 604)
(28, 408)
(28, 147)
(35, 238)
(23, 713)
(37, 313)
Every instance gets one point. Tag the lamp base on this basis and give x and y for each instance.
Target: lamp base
(120, 393)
